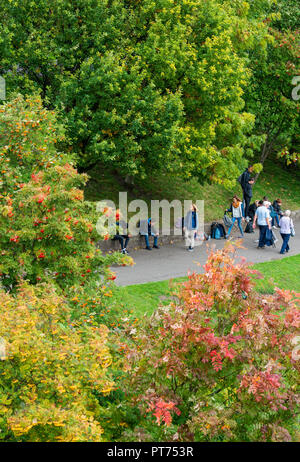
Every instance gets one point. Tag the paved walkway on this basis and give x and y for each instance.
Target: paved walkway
(175, 261)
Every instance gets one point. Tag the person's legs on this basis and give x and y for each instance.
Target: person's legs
(126, 241)
(262, 235)
(187, 238)
(192, 238)
(124, 246)
(287, 243)
(247, 201)
(285, 246)
(275, 219)
(240, 226)
(147, 241)
(287, 238)
(119, 238)
(155, 242)
(230, 228)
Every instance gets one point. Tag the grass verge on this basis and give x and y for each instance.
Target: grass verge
(145, 298)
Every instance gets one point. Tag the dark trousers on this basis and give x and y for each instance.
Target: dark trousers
(247, 200)
(262, 235)
(147, 240)
(121, 239)
(285, 244)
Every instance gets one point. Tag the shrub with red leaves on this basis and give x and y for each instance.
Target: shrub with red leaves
(218, 365)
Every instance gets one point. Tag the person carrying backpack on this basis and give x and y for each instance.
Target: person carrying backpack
(286, 230)
(191, 223)
(237, 210)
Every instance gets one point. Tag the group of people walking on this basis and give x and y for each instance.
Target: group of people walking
(260, 213)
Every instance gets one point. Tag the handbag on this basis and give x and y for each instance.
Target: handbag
(227, 219)
(293, 231)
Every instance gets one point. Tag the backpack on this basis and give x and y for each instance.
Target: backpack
(217, 230)
(217, 233)
(249, 228)
(240, 178)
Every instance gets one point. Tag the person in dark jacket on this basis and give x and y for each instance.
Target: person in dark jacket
(277, 212)
(122, 233)
(247, 195)
(246, 176)
(246, 184)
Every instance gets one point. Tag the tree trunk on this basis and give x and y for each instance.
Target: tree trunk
(265, 153)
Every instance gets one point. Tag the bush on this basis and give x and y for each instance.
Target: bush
(51, 369)
(218, 365)
(47, 229)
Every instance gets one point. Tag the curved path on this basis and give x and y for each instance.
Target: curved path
(175, 261)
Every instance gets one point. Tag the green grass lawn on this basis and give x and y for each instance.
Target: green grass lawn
(282, 273)
(274, 182)
(145, 298)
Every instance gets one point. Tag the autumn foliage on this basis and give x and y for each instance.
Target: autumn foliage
(47, 229)
(54, 287)
(218, 365)
(50, 369)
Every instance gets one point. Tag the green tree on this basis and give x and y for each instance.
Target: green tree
(141, 85)
(269, 94)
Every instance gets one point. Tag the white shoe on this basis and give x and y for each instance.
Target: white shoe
(275, 227)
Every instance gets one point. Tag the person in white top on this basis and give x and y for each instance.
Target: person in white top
(237, 210)
(262, 218)
(286, 226)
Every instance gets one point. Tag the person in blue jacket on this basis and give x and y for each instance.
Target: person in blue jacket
(238, 213)
(147, 228)
(191, 223)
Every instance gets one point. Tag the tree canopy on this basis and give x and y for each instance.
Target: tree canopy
(142, 85)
